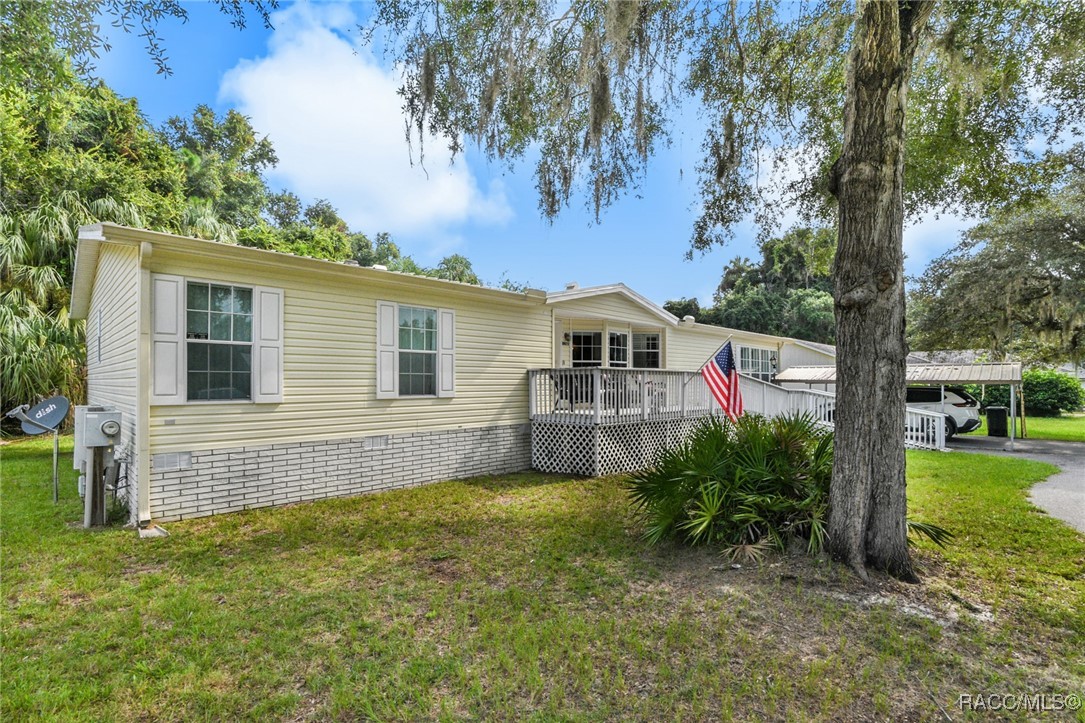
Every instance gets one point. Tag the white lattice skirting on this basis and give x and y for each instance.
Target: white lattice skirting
(593, 450)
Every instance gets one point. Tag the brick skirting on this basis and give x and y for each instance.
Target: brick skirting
(209, 482)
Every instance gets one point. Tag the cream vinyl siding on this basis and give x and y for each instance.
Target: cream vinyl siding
(689, 348)
(609, 307)
(794, 355)
(329, 362)
(111, 379)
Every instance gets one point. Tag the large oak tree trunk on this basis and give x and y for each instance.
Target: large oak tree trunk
(868, 509)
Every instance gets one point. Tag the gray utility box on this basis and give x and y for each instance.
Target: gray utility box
(102, 429)
(94, 427)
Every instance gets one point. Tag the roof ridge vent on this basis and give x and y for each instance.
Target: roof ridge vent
(379, 267)
(572, 286)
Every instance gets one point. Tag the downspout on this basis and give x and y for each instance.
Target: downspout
(143, 389)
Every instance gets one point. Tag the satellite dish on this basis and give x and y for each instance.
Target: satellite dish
(45, 416)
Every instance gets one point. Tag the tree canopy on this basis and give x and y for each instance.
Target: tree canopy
(224, 163)
(1014, 285)
(595, 88)
(788, 293)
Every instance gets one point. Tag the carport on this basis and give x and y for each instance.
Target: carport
(941, 375)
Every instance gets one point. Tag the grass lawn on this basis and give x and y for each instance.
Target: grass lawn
(1067, 428)
(530, 596)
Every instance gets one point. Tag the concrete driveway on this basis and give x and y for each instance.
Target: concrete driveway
(1061, 495)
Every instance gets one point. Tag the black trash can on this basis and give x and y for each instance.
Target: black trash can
(996, 421)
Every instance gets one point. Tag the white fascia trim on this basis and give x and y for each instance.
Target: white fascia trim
(556, 297)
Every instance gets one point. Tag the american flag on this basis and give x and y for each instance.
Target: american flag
(720, 374)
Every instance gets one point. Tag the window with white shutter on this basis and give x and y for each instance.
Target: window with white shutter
(215, 342)
(416, 351)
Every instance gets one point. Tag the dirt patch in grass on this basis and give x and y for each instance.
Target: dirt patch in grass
(444, 570)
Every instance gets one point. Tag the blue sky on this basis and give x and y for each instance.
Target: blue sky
(331, 112)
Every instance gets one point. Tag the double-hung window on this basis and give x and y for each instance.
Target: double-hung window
(646, 351)
(218, 330)
(215, 342)
(416, 351)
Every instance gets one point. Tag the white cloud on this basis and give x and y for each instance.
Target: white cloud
(337, 125)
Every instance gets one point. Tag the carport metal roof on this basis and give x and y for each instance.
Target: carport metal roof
(1001, 373)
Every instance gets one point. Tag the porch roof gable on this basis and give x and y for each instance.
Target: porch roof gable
(556, 297)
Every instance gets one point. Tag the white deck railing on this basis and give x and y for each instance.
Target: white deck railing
(596, 396)
(924, 430)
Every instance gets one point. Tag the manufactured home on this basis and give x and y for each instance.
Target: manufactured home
(250, 378)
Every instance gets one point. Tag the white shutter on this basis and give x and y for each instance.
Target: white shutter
(267, 345)
(167, 339)
(446, 353)
(387, 350)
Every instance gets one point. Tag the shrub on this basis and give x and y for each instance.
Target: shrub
(1047, 393)
(749, 486)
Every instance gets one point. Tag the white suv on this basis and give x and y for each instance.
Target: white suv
(960, 407)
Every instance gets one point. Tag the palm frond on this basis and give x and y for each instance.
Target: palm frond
(938, 535)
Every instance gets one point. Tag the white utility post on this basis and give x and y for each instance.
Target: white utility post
(1013, 413)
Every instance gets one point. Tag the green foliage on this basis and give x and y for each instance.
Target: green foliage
(685, 307)
(456, 268)
(593, 87)
(787, 293)
(809, 315)
(938, 535)
(1047, 393)
(284, 208)
(87, 140)
(520, 287)
(1014, 285)
(382, 252)
(30, 28)
(756, 308)
(746, 486)
(315, 242)
(200, 220)
(224, 162)
(41, 349)
(800, 259)
(322, 214)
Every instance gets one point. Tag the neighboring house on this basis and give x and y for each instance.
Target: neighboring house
(249, 378)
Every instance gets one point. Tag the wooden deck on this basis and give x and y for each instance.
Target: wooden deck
(596, 421)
